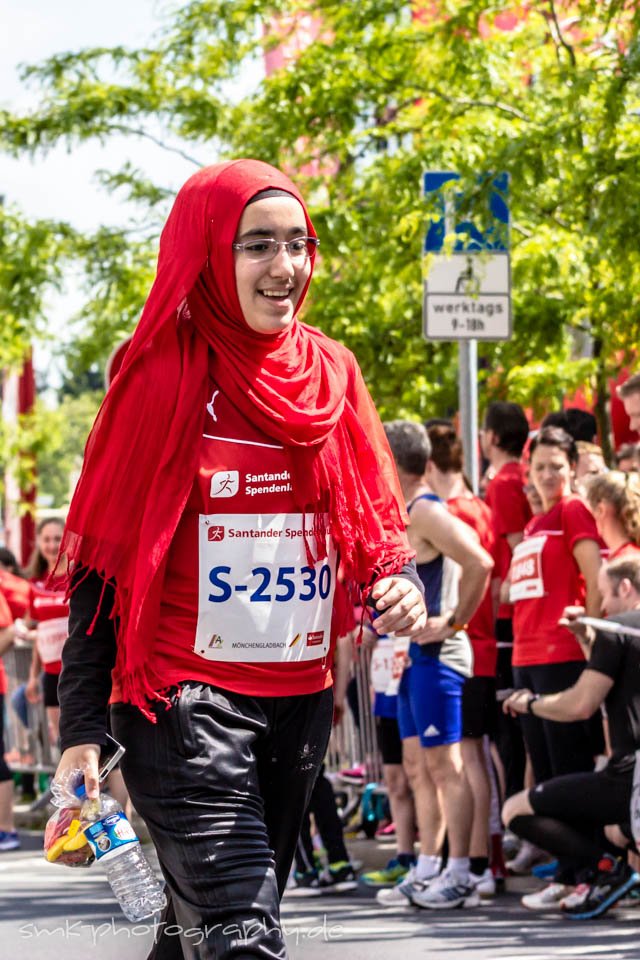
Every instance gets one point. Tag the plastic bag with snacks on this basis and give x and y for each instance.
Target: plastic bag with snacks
(64, 838)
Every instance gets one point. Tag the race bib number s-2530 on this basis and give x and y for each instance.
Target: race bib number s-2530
(260, 598)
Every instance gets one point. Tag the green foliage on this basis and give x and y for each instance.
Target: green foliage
(32, 255)
(378, 97)
(46, 446)
(118, 272)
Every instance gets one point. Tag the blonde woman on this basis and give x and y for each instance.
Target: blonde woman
(614, 499)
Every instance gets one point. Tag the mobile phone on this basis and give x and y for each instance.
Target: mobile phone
(110, 754)
(371, 603)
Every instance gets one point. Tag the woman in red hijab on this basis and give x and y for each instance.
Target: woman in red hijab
(236, 459)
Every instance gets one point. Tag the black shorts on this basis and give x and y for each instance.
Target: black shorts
(504, 638)
(389, 742)
(478, 707)
(50, 689)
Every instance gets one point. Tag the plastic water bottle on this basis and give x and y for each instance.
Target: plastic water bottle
(117, 848)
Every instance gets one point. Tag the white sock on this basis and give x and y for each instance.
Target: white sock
(458, 867)
(428, 867)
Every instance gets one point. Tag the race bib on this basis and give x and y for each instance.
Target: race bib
(526, 570)
(259, 598)
(399, 661)
(50, 638)
(381, 662)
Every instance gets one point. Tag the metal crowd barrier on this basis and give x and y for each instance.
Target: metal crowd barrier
(353, 742)
(27, 747)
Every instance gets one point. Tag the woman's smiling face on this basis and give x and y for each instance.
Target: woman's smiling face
(269, 292)
(49, 540)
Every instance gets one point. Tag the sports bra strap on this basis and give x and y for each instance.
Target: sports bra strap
(424, 496)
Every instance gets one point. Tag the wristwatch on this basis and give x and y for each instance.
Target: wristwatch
(452, 622)
(530, 702)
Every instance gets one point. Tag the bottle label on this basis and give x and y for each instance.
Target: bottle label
(111, 835)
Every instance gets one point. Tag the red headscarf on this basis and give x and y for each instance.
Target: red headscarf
(142, 454)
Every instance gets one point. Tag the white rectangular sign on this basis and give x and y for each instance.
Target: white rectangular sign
(468, 296)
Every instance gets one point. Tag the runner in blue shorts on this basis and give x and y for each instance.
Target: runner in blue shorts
(454, 570)
(430, 702)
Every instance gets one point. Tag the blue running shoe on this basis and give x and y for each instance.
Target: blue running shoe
(545, 871)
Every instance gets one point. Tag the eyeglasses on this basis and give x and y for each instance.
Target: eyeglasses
(266, 248)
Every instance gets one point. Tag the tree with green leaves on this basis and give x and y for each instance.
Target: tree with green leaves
(32, 259)
(379, 94)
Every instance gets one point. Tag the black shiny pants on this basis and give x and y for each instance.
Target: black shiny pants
(555, 748)
(222, 781)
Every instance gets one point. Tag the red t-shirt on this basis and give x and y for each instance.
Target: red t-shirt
(236, 569)
(545, 579)
(477, 515)
(51, 612)
(6, 619)
(17, 592)
(511, 513)
(628, 549)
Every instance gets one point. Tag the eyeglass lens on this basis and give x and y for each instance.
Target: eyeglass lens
(298, 249)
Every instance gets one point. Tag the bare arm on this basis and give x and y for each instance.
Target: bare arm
(456, 540)
(513, 539)
(6, 639)
(587, 556)
(583, 634)
(341, 673)
(32, 689)
(578, 702)
(495, 595)
(505, 588)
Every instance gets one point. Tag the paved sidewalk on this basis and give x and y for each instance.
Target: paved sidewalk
(48, 912)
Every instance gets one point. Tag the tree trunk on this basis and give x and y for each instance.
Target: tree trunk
(602, 407)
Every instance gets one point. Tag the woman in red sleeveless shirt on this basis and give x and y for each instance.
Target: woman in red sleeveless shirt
(236, 455)
(555, 566)
(49, 614)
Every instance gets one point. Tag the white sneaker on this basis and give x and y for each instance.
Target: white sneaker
(549, 898)
(445, 892)
(400, 895)
(576, 898)
(485, 883)
(526, 857)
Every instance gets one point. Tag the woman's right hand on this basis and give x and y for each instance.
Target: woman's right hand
(83, 757)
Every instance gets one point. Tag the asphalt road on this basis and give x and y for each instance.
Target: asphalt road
(49, 913)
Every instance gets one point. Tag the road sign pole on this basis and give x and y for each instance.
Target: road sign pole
(467, 288)
(468, 404)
